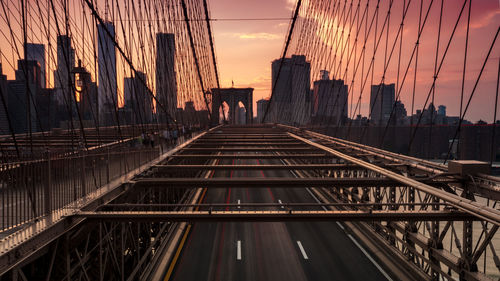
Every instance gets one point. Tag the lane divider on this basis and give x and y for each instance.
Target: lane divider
(302, 250)
(238, 250)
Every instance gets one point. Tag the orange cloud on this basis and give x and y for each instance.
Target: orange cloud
(258, 35)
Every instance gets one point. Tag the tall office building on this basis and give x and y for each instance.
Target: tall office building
(166, 83)
(37, 52)
(329, 100)
(22, 96)
(29, 70)
(291, 101)
(381, 103)
(107, 87)
(189, 114)
(4, 123)
(62, 75)
(137, 99)
(261, 109)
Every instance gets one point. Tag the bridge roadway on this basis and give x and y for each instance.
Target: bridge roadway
(270, 250)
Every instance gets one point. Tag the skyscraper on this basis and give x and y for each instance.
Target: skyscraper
(137, 99)
(329, 100)
(37, 52)
(107, 92)
(22, 96)
(62, 75)
(291, 101)
(166, 84)
(261, 109)
(4, 123)
(381, 103)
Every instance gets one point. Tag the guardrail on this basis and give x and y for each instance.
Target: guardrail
(35, 188)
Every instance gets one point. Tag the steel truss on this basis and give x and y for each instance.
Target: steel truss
(437, 224)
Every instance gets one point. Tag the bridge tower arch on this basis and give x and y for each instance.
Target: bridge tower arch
(232, 97)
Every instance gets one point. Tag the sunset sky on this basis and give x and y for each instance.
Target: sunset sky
(246, 48)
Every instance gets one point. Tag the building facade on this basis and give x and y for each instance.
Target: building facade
(4, 101)
(261, 109)
(381, 103)
(291, 101)
(329, 101)
(36, 52)
(107, 86)
(137, 99)
(62, 75)
(166, 83)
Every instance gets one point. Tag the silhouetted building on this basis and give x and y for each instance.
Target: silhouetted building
(4, 101)
(28, 70)
(166, 84)
(107, 87)
(190, 114)
(291, 101)
(261, 109)
(45, 109)
(87, 94)
(62, 75)
(137, 99)
(36, 52)
(441, 110)
(399, 115)
(23, 96)
(329, 100)
(381, 103)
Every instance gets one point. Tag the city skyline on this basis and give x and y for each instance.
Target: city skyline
(250, 140)
(256, 43)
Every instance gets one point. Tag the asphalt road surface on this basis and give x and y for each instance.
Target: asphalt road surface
(270, 250)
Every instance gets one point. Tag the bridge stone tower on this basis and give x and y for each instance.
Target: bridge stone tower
(232, 96)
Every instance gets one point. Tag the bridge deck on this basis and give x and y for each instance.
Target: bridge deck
(230, 209)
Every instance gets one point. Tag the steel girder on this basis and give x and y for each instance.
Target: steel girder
(269, 216)
(261, 182)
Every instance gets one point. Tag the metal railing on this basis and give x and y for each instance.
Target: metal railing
(35, 188)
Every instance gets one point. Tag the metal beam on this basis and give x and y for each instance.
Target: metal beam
(247, 144)
(260, 167)
(260, 205)
(264, 182)
(222, 149)
(474, 208)
(253, 156)
(286, 215)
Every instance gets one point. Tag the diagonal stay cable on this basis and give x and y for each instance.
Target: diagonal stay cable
(127, 59)
(290, 32)
(193, 49)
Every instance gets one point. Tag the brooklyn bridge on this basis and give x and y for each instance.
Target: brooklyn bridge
(370, 150)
